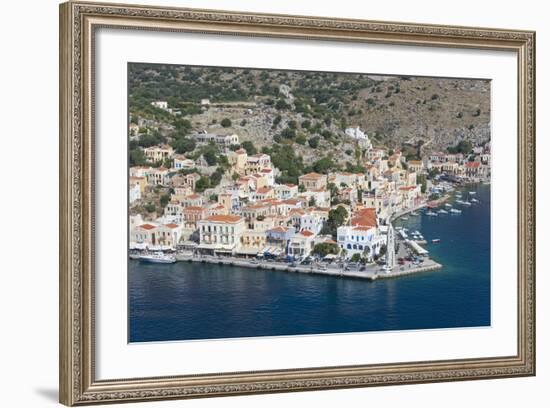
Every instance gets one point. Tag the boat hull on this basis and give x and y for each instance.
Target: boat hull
(157, 260)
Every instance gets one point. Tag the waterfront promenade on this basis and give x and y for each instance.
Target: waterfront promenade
(371, 272)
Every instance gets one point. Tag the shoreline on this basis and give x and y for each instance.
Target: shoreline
(371, 273)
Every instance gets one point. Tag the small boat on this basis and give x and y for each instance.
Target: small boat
(431, 214)
(455, 211)
(448, 205)
(467, 203)
(472, 192)
(473, 200)
(436, 240)
(158, 257)
(404, 218)
(414, 213)
(442, 211)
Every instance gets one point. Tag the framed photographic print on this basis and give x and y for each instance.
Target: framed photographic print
(256, 203)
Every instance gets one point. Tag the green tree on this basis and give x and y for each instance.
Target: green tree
(226, 122)
(202, 184)
(184, 145)
(301, 139)
(323, 165)
(249, 147)
(137, 158)
(164, 200)
(150, 207)
(281, 104)
(314, 142)
(356, 257)
(211, 157)
(336, 218)
(324, 248)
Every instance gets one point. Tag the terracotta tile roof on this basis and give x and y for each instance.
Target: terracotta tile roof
(263, 190)
(473, 164)
(147, 226)
(172, 225)
(192, 208)
(307, 233)
(311, 176)
(229, 219)
(278, 229)
(365, 217)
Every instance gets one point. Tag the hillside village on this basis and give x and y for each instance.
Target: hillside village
(208, 191)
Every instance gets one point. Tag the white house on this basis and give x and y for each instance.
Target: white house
(285, 191)
(181, 162)
(357, 134)
(134, 192)
(361, 236)
(311, 222)
(301, 244)
(221, 233)
(160, 104)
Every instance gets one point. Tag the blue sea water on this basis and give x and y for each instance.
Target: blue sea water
(185, 301)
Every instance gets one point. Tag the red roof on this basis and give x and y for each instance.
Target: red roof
(473, 164)
(279, 229)
(148, 226)
(224, 218)
(311, 176)
(365, 217)
(306, 233)
(172, 225)
(193, 208)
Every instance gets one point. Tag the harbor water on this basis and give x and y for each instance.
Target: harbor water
(190, 301)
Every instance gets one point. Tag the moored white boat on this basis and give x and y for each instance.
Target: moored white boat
(158, 257)
(431, 214)
(455, 211)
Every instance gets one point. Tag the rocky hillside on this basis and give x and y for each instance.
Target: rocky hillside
(310, 110)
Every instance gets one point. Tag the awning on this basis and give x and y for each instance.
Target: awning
(208, 246)
(247, 251)
(223, 251)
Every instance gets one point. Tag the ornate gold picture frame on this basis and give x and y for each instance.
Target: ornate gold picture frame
(78, 22)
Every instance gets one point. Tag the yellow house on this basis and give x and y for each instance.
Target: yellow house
(313, 181)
